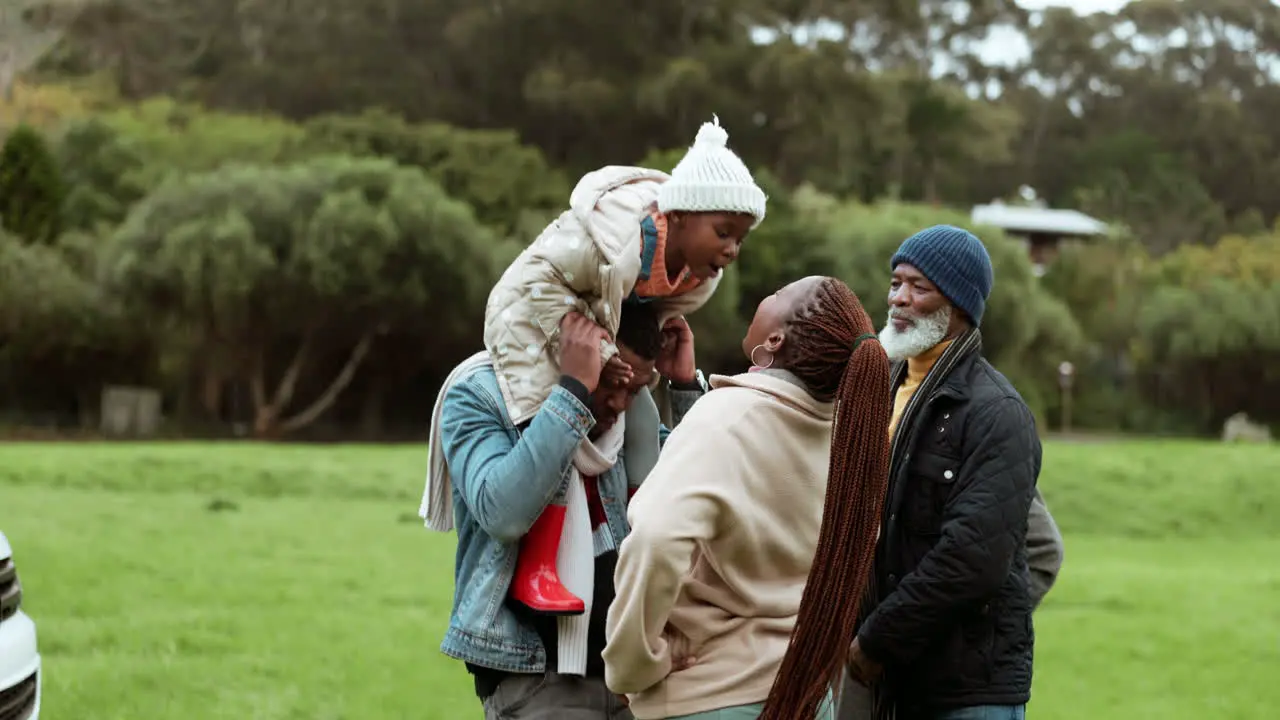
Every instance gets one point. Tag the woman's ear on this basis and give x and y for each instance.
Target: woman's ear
(774, 342)
(675, 218)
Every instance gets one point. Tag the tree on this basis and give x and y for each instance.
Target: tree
(103, 172)
(171, 138)
(43, 301)
(61, 336)
(1128, 178)
(272, 270)
(1100, 280)
(510, 185)
(31, 190)
(1209, 331)
(45, 106)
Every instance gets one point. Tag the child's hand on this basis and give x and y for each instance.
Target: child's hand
(676, 360)
(683, 662)
(617, 373)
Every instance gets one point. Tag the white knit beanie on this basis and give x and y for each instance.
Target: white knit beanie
(711, 178)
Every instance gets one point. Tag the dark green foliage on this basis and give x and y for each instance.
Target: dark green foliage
(31, 189)
(102, 175)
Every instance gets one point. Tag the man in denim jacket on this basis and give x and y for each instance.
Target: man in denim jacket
(503, 476)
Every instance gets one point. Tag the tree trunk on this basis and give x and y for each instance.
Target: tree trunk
(1032, 150)
(340, 383)
(212, 384)
(267, 413)
(931, 182)
(268, 416)
(264, 422)
(372, 407)
(898, 173)
(263, 414)
(8, 71)
(88, 401)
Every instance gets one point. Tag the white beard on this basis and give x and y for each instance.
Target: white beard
(921, 336)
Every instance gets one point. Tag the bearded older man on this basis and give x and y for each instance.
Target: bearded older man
(946, 630)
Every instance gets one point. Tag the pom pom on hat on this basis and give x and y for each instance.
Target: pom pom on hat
(711, 178)
(711, 135)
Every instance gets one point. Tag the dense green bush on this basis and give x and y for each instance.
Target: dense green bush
(1178, 343)
(104, 174)
(31, 190)
(1209, 326)
(61, 336)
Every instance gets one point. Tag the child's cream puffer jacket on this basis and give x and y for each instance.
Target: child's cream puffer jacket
(588, 260)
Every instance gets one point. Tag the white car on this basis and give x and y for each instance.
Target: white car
(19, 658)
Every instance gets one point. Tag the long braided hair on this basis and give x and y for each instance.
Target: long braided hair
(834, 351)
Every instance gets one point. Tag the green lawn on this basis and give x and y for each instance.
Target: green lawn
(247, 581)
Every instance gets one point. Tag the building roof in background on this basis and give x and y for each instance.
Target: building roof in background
(1036, 220)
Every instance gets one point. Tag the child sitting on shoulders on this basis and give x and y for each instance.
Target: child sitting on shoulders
(630, 235)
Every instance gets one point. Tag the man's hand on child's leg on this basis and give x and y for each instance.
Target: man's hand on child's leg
(580, 349)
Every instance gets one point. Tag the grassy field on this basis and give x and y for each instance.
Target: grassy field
(265, 582)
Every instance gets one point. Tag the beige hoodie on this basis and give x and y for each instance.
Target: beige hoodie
(724, 530)
(587, 260)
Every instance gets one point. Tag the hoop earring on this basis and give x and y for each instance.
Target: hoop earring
(752, 357)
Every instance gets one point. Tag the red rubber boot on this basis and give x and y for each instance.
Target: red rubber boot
(536, 583)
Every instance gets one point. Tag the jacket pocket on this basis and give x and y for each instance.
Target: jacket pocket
(517, 692)
(979, 636)
(679, 646)
(963, 659)
(932, 480)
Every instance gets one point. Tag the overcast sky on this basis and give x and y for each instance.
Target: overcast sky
(1084, 7)
(1006, 47)
(1003, 46)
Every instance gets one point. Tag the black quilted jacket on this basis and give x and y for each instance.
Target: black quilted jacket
(949, 613)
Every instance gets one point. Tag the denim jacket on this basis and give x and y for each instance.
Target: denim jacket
(502, 480)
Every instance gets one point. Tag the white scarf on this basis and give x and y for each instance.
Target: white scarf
(575, 562)
(437, 499)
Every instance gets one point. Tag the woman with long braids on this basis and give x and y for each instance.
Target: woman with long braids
(752, 538)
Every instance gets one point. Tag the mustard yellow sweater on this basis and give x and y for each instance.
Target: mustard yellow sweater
(917, 369)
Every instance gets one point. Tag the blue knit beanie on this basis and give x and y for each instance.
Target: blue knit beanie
(956, 261)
